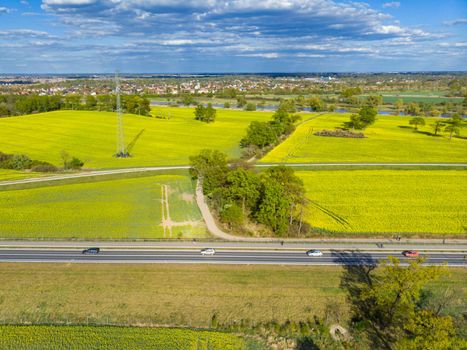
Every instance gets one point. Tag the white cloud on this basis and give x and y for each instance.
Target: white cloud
(263, 55)
(392, 4)
(4, 10)
(456, 22)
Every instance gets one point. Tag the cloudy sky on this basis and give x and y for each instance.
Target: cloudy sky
(61, 36)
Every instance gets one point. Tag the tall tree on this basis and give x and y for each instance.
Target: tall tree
(416, 121)
(454, 125)
(386, 305)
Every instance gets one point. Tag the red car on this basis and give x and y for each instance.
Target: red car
(410, 253)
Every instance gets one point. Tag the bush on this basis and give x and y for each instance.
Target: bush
(74, 164)
(340, 133)
(20, 162)
(44, 167)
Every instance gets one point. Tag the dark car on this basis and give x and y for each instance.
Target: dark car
(91, 251)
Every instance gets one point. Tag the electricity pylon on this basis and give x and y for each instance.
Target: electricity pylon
(121, 150)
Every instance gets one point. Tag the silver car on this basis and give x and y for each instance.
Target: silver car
(208, 251)
(314, 252)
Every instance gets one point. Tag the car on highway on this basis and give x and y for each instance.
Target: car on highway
(91, 251)
(314, 252)
(208, 251)
(410, 253)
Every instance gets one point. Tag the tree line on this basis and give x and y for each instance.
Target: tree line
(24, 162)
(12, 105)
(262, 136)
(273, 199)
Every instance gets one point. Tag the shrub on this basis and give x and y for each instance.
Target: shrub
(340, 133)
(74, 163)
(44, 167)
(20, 162)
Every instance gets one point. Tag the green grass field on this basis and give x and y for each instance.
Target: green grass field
(390, 139)
(111, 338)
(376, 202)
(115, 209)
(175, 295)
(90, 136)
(6, 174)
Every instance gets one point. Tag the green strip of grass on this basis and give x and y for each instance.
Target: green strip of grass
(176, 295)
(119, 209)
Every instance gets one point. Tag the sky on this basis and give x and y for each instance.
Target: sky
(196, 36)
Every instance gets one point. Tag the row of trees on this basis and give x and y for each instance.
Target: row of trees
(261, 136)
(23, 162)
(452, 125)
(274, 198)
(11, 105)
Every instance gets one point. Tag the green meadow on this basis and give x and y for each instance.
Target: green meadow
(110, 338)
(385, 202)
(390, 139)
(91, 136)
(177, 294)
(149, 207)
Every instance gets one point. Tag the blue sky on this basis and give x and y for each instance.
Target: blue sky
(180, 36)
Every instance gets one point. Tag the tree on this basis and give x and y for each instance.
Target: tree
(205, 114)
(199, 112)
(210, 166)
(316, 104)
(368, 115)
(232, 214)
(20, 162)
(437, 126)
(250, 106)
(386, 305)
(412, 109)
(241, 101)
(416, 121)
(209, 114)
(365, 117)
(374, 100)
(454, 125)
(281, 197)
(65, 158)
(226, 105)
(287, 105)
(91, 102)
(260, 134)
(399, 106)
(243, 187)
(75, 164)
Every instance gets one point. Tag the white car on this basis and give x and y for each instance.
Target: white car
(208, 251)
(314, 252)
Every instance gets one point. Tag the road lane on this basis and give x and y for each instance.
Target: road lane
(221, 257)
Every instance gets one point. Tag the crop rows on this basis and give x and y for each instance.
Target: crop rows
(390, 139)
(89, 135)
(387, 201)
(110, 338)
(128, 208)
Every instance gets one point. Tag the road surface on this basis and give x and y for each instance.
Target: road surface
(330, 257)
(179, 167)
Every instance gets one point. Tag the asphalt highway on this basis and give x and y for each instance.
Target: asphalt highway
(221, 257)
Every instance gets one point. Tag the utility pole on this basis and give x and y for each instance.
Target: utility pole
(121, 151)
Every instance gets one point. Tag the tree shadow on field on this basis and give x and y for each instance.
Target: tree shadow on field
(356, 277)
(306, 344)
(357, 271)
